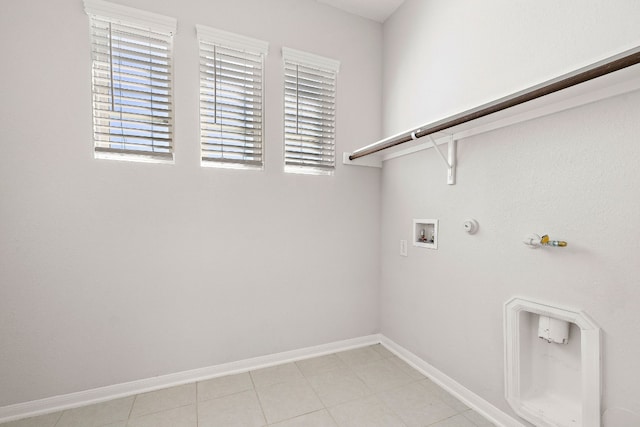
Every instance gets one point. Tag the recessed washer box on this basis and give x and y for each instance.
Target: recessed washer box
(552, 383)
(425, 233)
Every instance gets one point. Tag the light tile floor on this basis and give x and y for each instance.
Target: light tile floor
(365, 387)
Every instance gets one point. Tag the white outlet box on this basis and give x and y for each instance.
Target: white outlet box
(403, 248)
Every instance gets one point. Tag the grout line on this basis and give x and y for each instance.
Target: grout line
(173, 408)
(372, 393)
(255, 391)
(160, 410)
(313, 390)
(393, 411)
(448, 418)
(57, 419)
(197, 407)
(131, 409)
(332, 417)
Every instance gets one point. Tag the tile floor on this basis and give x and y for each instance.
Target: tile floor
(365, 387)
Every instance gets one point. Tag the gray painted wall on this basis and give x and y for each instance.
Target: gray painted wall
(116, 271)
(572, 175)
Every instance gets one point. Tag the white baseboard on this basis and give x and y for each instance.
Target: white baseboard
(466, 396)
(102, 394)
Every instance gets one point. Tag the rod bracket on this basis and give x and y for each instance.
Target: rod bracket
(449, 160)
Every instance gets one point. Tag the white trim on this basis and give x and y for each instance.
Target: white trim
(466, 396)
(305, 58)
(370, 161)
(102, 394)
(439, 140)
(231, 40)
(123, 14)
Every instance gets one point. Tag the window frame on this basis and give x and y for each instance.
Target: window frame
(234, 47)
(137, 21)
(325, 70)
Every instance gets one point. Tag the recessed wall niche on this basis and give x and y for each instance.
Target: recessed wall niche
(425, 233)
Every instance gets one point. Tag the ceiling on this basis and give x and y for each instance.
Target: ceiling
(377, 10)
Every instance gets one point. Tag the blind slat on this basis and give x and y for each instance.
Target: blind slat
(134, 91)
(315, 84)
(249, 115)
(242, 132)
(306, 164)
(245, 161)
(104, 68)
(103, 78)
(224, 79)
(312, 121)
(304, 92)
(140, 116)
(120, 43)
(243, 63)
(132, 31)
(236, 149)
(311, 73)
(227, 104)
(143, 66)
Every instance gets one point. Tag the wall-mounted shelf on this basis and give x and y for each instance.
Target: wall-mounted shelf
(610, 77)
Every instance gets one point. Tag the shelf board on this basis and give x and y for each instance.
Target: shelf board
(615, 83)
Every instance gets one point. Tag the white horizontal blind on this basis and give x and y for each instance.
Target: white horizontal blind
(231, 99)
(132, 90)
(309, 116)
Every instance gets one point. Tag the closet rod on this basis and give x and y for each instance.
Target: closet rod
(598, 69)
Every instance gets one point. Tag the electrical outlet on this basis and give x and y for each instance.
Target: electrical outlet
(403, 248)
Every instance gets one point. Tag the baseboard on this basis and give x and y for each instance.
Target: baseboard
(102, 394)
(466, 396)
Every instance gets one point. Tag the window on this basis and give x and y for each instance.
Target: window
(231, 92)
(309, 112)
(132, 82)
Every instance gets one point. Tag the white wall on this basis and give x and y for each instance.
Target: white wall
(115, 271)
(572, 175)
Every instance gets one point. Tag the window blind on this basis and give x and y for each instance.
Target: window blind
(231, 99)
(132, 87)
(309, 112)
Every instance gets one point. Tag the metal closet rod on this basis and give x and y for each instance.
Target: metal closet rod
(599, 69)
